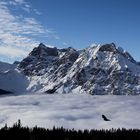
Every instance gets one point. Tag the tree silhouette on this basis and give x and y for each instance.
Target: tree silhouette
(18, 132)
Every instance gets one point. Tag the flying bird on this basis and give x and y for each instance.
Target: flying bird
(105, 118)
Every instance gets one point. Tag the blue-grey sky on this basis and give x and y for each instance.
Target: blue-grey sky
(63, 23)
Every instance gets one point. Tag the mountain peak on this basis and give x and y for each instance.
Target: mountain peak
(109, 47)
(115, 50)
(43, 50)
(41, 45)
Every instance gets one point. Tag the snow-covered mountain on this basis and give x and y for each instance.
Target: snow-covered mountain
(98, 69)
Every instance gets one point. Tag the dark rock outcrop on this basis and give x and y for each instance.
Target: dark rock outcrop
(108, 47)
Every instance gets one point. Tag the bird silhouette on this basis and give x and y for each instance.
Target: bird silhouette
(105, 118)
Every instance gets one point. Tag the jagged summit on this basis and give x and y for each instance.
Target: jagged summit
(42, 50)
(109, 47)
(41, 58)
(41, 45)
(98, 69)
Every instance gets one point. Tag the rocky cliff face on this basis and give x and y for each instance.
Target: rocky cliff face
(97, 70)
(106, 70)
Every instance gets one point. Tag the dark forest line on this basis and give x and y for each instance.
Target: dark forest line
(18, 132)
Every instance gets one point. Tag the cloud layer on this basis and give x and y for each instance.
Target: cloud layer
(79, 111)
(18, 33)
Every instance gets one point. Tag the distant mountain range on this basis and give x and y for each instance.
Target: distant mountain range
(97, 70)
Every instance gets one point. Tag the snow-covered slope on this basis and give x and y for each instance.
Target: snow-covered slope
(11, 79)
(98, 69)
(106, 70)
(77, 111)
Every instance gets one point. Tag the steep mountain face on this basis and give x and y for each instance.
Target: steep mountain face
(99, 69)
(38, 60)
(46, 67)
(107, 70)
